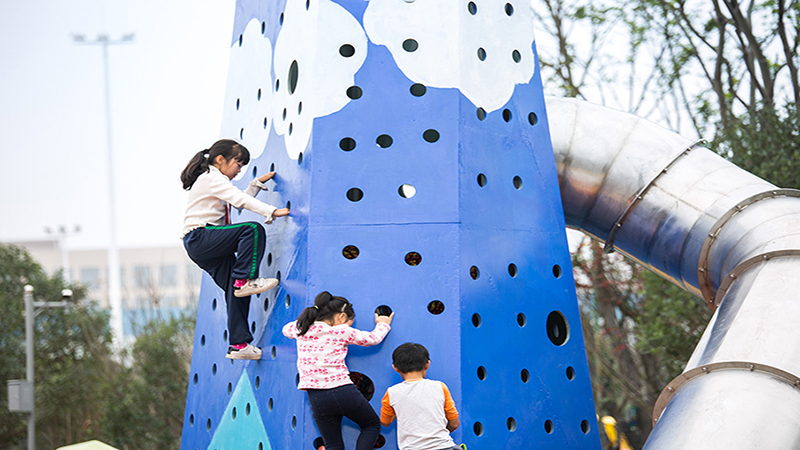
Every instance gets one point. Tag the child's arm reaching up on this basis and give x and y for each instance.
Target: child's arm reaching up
(374, 337)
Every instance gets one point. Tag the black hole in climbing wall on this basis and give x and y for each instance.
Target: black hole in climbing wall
(364, 384)
(481, 180)
(481, 373)
(319, 444)
(259, 94)
(506, 115)
(272, 167)
(233, 413)
(477, 428)
(384, 141)
(297, 380)
(294, 422)
(430, 135)
(270, 405)
(548, 426)
(291, 126)
(524, 375)
(585, 426)
(191, 419)
(253, 327)
(258, 382)
(474, 272)
(472, 8)
(418, 90)
(347, 50)
(263, 27)
(406, 191)
(266, 304)
(208, 425)
(299, 157)
(512, 270)
(436, 307)
(214, 304)
(518, 182)
(516, 56)
(355, 194)
(476, 320)
(557, 328)
(413, 258)
(274, 352)
(280, 19)
(354, 92)
(350, 252)
(481, 54)
(269, 259)
(237, 104)
(214, 369)
(241, 133)
(380, 442)
(194, 379)
(265, 123)
(277, 84)
(383, 310)
(481, 113)
(410, 45)
(522, 320)
(225, 336)
(247, 410)
(511, 424)
(241, 39)
(278, 275)
(570, 373)
(532, 118)
(557, 271)
(347, 144)
(203, 340)
(255, 171)
(293, 73)
(288, 301)
(509, 9)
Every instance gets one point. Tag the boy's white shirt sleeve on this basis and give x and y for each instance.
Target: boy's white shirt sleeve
(223, 189)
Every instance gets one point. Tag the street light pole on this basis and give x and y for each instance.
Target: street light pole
(113, 276)
(29, 364)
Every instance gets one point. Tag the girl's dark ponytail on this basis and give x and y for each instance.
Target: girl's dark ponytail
(199, 163)
(325, 307)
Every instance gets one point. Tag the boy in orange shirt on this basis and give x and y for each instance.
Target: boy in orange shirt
(425, 411)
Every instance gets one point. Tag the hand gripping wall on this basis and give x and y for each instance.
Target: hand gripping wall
(411, 144)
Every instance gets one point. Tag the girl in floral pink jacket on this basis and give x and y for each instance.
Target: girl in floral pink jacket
(323, 332)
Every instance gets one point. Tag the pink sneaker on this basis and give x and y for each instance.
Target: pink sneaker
(248, 352)
(255, 286)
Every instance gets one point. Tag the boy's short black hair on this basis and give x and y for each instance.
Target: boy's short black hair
(410, 357)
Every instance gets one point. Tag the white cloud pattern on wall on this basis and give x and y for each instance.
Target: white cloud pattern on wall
(481, 47)
(247, 114)
(320, 48)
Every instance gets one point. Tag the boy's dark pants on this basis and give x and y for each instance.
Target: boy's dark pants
(328, 406)
(227, 253)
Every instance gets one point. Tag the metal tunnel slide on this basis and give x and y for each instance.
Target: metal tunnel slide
(719, 232)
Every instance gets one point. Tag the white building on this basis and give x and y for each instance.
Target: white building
(155, 281)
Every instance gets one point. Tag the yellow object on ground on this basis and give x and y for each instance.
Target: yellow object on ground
(610, 427)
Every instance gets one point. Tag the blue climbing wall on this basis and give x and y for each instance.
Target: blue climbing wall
(411, 143)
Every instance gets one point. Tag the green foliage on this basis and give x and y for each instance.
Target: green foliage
(83, 390)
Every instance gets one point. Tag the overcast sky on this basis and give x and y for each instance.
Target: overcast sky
(167, 90)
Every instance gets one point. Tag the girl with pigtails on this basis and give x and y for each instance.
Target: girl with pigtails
(230, 253)
(323, 332)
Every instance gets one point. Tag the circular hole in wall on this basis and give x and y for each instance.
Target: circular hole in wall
(557, 271)
(512, 270)
(214, 369)
(481, 113)
(258, 382)
(203, 340)
(532, 118)
(208, 425)
(253, 327)
(524, 375)
(585, 427)
(557, 328)
(347, 144)
(255, 171)
(481, 373)
(481, 54)
(410, 45)
(570, 373)
(258, 96)
(194, 379)
(548, 426)
(481, 180)
(297, 380)
(407, 191)
(516, 56)
(381, 441)
(350, 252)
(474, 272)
(266, 304)
(476, 320)
(418, 90)
(355, 194)
(354, 92)
(191, 419)
(288, 300)
(518, 182)
(214, 304)
(507, 115)
(233, 413)
(294, 422)
(511, 424)
(477, 429)
(237, 104)
(522, 320)
(430, 135)
(509, 9)
(270, 404)
(384, 141)
(413, 258)
(247, 410)
(269, 259)
(277, 84)
(347, 50)
(225, 336)
(278, 275)
(293, 74)
(383, 310)
(319, 444)
(308, 4)
(299, 108)
(472, 8)
(364, 384)
(263, 27)
(280, 19)
(274, 352)
(436, 307)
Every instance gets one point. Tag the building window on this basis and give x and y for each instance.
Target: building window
(169, 276)
(90, 277)
(141, 277)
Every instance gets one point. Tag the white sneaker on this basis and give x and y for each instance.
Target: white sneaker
(249, 352)
(255, 286)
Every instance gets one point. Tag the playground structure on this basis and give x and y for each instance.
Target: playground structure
(412, 143)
